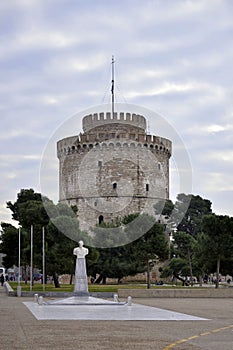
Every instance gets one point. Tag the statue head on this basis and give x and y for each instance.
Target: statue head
(80, 244)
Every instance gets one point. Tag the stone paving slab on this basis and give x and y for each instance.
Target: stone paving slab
(124, 312)
(20, 330)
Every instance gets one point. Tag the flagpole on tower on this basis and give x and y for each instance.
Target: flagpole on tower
(112, 89)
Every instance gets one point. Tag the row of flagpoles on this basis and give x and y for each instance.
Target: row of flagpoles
(31, 260)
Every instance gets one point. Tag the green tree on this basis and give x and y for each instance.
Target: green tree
(186, 217)
(9, 245)
(217, 239)
(117, 261)
(134, 257)
(59, 247)
(190, 209)
(31, 209)
(58, 252)
(185, 246)
(164, 207)
(23, 196)
(178, 268)
(152, 246)
(182, 262)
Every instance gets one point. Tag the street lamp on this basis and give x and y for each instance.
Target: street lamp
(43, 257)
(31, 267)
(19, 286)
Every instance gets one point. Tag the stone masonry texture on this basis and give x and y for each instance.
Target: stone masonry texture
(113, 168)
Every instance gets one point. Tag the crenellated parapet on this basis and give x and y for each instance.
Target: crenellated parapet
(72, 145)
(92, 121)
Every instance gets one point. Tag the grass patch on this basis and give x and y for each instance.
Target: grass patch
(38, 287)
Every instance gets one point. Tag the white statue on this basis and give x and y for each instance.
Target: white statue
(80, 251)
(80, 285)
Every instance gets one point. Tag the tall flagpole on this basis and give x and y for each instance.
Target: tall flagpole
(31, 267)
(19, 256)
(112, 89)
(43, 257)
(19, 287)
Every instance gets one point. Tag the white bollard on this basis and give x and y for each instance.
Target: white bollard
(115, 298)
(40, 300)
(36, 298)
(129, 301)
(19, 291)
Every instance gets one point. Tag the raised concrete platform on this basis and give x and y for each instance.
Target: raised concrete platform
(104, 310)
(188, 292)
(86, 300)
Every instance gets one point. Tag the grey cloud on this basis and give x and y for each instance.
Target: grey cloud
(174, 57)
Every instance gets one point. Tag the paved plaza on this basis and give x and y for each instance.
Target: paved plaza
(96, 309)
(202, 324)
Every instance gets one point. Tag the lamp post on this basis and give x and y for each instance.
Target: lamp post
(19, 286)
(31, 267)
(43, 257)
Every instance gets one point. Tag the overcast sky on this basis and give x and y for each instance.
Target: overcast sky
(173, 57)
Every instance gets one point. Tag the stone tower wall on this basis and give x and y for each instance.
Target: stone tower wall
(113, 169)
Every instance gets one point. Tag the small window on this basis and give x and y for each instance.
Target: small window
(147, 187)
(159, 166)
(101, 219)
(114, 185)
(100, 163)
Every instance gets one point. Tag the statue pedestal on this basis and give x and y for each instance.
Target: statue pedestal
(81, 284)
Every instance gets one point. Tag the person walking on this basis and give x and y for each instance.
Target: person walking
(2, 279)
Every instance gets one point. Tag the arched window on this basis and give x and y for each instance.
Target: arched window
(147, 187)
(114, 185)
(101, 219)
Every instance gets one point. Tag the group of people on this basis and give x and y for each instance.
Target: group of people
(158, 283)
